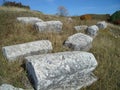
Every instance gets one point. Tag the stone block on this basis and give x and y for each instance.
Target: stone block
(79, 42)
(14, 52)
(49, 26)
(54, 71)
(29, 20)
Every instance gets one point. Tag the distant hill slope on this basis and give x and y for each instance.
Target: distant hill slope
(25, 12)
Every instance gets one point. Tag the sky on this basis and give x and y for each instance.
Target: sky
(74, 7)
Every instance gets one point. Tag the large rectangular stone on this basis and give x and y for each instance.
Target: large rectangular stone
(53, 71)
(49, 26)
(26, 49)
(29, 20)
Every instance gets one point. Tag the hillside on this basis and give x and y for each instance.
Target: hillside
(106, 47)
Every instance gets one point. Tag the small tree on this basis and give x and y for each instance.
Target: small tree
(62, 11)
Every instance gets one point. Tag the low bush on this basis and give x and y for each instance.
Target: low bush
(85, 17)
(15, 4)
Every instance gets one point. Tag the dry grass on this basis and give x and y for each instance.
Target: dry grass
(12, 9)
(106, 48)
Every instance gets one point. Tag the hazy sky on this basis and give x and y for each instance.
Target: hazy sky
(74, 7)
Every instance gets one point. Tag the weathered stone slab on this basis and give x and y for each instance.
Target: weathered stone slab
(29, 20)
(49, 26)
(81, 27)
(102, 25)
(53, 71)
(78, 42)
(9, 87)
(92, 30)
(31, 48)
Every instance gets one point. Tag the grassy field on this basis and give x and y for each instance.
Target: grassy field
(106, 48)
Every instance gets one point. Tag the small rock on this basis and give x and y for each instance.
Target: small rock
(70, 20)
(9, 87)
(102, 25)
(78, 42)
(29, 20)
(79, 28)
(49, 26)
(92, 30)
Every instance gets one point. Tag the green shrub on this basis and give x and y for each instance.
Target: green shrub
(15, 4)
(115, 17)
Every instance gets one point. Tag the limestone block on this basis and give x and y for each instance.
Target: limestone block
(79, 42)
(29, 20)
(53, 71)
(92, 30)
(49, 26)
(14, 52)
(102, 25)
